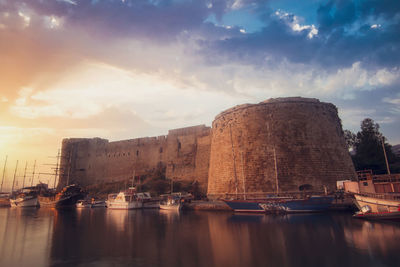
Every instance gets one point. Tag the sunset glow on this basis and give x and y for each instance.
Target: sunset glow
(127, 69)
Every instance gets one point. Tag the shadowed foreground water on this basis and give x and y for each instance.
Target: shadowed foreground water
(101, 237)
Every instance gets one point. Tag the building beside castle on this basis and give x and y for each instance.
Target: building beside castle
(283, 144)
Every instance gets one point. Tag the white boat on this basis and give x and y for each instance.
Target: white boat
(24, 201)
(124, 201)
(27, 197)
(171, 203)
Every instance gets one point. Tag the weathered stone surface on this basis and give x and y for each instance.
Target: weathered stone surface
(183, 154)
(298, 140)
(302, 137)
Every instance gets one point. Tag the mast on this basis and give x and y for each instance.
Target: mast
(276, 172)
(15, 173)
(244, 182)
(4, 172)
(55, 175)
(33, 173)
(234, 163)
(384, 153)
(69, 166)
(23, 182)
(133, 178)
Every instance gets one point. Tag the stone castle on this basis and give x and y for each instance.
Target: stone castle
(279, 145)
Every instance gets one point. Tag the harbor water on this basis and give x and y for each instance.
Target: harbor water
(101, 237)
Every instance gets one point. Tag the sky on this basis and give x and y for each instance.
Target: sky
(122, 69)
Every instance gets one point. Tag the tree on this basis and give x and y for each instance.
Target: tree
(369, 150)
(350, 138)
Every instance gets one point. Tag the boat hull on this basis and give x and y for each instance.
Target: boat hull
(113, 205)
(23, 202)
(245, 206)
(378, 215)
(52, 202)
(311, 204)
(175, 207)
(377, 205)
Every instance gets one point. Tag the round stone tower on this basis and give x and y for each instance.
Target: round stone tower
(279, 145)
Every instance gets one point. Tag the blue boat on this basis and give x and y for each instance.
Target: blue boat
(282, 205)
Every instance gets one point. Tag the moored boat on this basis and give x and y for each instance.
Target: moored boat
(282, 204)
(24, 201)
(124, 200)
(171, 203)
(68, 196)
(378, 206)
(28, 196)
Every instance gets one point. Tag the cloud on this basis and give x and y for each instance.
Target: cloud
(157, 58)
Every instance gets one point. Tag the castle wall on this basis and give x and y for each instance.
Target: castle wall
(90, 161)
(280, 144)
(276, 145)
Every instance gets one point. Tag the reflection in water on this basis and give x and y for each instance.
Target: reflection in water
(92, 237)
(25, 236)
(374, 238)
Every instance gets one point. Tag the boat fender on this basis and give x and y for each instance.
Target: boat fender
(365, 209)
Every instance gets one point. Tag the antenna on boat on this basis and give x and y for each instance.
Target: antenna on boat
(23, 182)
(4, 172)
(15, 173)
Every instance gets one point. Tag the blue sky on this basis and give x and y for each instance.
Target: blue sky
(124, 69)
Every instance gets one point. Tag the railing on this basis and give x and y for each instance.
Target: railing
(377, 178)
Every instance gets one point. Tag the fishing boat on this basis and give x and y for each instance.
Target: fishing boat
(287, 204)
(378, 206)
(68, 196)
(124, 200)
(171, 203)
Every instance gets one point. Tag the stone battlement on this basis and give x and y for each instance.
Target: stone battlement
(280, 144)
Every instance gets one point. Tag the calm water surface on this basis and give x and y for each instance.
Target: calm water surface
(101, 237)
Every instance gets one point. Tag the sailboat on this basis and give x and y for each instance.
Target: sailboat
(278, 203)
(4, 197)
